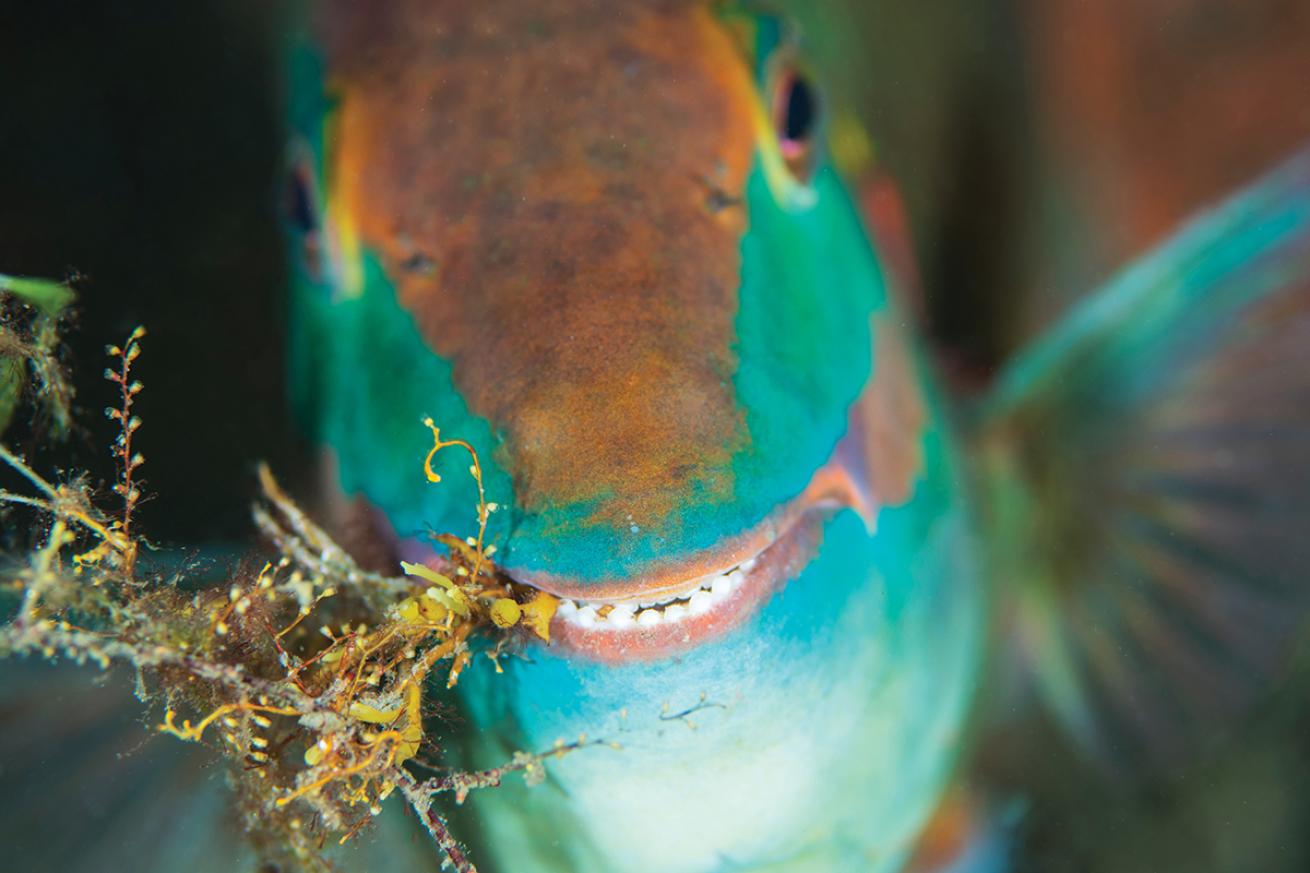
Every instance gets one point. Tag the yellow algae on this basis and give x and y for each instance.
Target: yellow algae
(538, 612)
(505, 613)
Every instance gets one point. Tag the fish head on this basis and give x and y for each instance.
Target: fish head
(603, 244)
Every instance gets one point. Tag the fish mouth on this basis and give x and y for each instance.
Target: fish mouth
(680, 606)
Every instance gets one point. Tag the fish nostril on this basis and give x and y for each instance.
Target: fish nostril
(717, 199)
(419, 264)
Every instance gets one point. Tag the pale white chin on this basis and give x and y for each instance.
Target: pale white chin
(700, 597)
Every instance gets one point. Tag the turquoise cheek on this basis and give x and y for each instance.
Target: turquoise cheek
(818, 737)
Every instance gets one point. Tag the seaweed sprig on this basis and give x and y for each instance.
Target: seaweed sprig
(307, 672)
(128, 487)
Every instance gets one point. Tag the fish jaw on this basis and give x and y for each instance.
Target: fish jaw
(695, 601)
(812, 729)
(843, 692)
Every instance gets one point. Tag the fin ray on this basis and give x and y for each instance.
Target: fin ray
(1150, 480)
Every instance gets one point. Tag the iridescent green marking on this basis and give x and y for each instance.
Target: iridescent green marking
(373, 380)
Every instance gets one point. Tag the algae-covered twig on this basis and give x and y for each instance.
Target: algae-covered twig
(531, 765)
(420, 795)
(307, 672)
(421, 802)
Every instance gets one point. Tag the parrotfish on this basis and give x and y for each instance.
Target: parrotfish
(610, 247)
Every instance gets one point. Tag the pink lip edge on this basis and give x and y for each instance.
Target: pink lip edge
(793, 537)
(773, 568)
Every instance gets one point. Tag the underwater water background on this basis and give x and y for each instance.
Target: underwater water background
(1038, 145)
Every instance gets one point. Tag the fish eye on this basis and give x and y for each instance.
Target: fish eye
(301, 208)
(795, 120)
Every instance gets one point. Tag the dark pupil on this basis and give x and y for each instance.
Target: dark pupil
(300, 203)
(799, 117)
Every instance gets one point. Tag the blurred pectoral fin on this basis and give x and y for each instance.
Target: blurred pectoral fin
(1150, 481)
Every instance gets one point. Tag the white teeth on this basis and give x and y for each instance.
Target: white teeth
(648, 613)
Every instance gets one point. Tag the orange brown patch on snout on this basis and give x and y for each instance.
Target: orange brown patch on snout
(536, 179)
